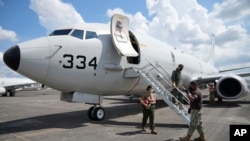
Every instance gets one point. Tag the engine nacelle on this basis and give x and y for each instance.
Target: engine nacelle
(232, 87)
(2, 90)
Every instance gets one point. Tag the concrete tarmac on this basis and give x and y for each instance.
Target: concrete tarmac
(41, 116)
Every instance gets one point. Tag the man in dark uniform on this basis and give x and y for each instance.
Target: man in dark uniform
(195, 96)
(177, 83)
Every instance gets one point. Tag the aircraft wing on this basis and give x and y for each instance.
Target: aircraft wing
(19, 85)
(228, 85)
(16, 82)
(212, 78)
(233, 69)
(243, 74)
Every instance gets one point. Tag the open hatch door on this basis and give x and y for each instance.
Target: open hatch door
(120, 35)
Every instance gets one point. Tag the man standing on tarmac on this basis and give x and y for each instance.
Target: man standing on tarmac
(148, 102)
(177, 83)
(195, 96)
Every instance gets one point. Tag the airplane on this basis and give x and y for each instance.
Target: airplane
(12, 85)
(91, 60)
(34, 87)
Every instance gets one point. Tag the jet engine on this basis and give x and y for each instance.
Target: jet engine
(232, 87)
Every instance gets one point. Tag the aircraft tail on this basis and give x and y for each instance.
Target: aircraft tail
(212, 51)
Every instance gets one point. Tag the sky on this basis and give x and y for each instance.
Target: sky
(185, 24)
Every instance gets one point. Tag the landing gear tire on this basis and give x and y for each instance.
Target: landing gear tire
(96, 113)
(99, 113)
(91, 113)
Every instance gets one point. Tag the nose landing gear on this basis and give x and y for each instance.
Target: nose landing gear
(95, 112)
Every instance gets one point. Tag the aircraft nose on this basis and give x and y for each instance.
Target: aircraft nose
(12, 57)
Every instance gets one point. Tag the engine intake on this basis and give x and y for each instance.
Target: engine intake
(232, 87)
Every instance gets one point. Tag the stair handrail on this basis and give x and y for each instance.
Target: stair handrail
(166, 80)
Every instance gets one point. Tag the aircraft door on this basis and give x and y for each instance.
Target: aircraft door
(135, 44)
(120, 35)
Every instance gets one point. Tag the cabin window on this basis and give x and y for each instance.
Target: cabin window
(60, 32)
(90, 35)
(78, 34)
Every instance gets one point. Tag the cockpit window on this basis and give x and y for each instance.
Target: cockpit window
(78, 33)
(90, 35)
(75, 33)
(60, 32)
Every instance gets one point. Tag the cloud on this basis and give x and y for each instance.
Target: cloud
(181, 23)
(232, 33)
(1, 3)
(54, 14)
(7, 35)
(231, 10)
(187, 25)
(137, 20)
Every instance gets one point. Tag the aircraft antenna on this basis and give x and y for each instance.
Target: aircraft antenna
(211, 57)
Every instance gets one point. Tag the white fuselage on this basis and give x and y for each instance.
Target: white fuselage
(94, 66)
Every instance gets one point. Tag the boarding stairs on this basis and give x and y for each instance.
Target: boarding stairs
(149, 73)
